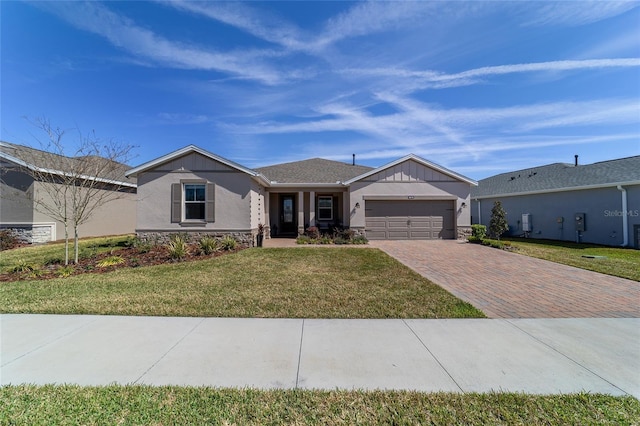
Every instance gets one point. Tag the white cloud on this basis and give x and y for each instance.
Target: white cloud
(125, 34)
(257, 23)
(438, 80)
(573, 13)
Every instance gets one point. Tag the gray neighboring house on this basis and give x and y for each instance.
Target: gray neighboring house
(594, 203)
(195, 191)
(17, 188)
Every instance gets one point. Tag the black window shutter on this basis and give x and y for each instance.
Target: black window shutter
(210, 206)
(176, 202)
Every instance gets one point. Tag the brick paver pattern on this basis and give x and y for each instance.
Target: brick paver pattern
(510, 285)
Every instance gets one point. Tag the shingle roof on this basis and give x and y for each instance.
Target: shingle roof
(557, 176)
(36, 158)
(314, 170)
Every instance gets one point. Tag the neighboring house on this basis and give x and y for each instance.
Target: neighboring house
(595, 203)
(194, 191)
(18, 189)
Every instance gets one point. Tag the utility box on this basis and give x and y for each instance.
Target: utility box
(580, 222)
(526, 222)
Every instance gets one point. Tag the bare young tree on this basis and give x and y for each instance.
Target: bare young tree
(74, 181)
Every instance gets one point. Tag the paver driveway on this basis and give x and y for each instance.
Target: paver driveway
(509, 285)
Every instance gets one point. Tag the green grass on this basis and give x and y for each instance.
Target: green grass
(54, 405)
(37, 255)
(273, 283)
(620, 262)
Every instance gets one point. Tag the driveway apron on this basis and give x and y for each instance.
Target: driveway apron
(510, 285)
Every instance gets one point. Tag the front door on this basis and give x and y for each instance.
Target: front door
(288, 215)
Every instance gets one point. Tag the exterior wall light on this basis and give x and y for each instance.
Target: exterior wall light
(357, 205)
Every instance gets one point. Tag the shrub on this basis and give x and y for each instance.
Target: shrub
(8, 240)
(359, 239)
(110, 261)
(65, 271)
(22, 266)
(478, 231)
(345, 234)
(325, 239)
(304, 239)
(474, 240)
(142, 246)
(177, 247)
(228, 243)
(208, 245)
(313, 232)
(340, 241)
(498, 224)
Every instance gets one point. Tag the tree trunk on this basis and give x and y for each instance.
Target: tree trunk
(75, 243)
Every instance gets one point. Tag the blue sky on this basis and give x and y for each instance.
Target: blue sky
(479, 87)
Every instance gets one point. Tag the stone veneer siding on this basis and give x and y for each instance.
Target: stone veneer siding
(464, 232)
(163, 237)
(30, 234)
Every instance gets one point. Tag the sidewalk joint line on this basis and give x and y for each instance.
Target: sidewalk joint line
(434, 357)
(52, 341)
(566, 356)
(169, 350)
(299, 353)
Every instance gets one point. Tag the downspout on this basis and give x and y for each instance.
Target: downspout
(625, 219)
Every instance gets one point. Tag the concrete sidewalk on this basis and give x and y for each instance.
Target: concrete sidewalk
(459, 355)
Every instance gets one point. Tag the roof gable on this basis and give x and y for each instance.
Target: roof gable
(172, 160)
(561, 176)
(315, 170)
(412, 168)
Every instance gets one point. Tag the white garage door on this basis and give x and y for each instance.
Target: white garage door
(409, 219)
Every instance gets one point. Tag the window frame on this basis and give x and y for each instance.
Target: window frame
(329, 208)
(203, 202)
(178, 209)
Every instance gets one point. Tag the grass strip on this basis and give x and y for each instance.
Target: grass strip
(263, 283)
(69, 404)
(616, 261)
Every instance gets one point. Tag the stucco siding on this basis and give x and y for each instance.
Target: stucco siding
(15, 197)
(17, 209)
(233, 192)
(553, 214)
(455, 190)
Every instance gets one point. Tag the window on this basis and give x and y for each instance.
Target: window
(325, 207)
(194, 201)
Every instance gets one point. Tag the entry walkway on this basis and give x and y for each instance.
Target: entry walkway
(509, 285)
(538, 356)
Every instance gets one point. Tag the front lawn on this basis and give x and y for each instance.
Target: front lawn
(620, 262)
(52, 405)
(273, 283)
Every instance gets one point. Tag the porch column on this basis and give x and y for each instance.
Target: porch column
(267, 220)
(346, 209)
(300, 212)
(312, 208)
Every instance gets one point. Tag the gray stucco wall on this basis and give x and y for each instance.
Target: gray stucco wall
(553, 214)
(234, 193)
(443, 190)
(17, 210)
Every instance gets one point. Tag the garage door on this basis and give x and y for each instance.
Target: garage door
(409, 220)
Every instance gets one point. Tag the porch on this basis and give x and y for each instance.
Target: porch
(289, 212)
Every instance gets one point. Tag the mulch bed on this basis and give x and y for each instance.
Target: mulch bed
(133, 257)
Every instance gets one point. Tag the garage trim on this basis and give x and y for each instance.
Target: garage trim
(409, 197)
